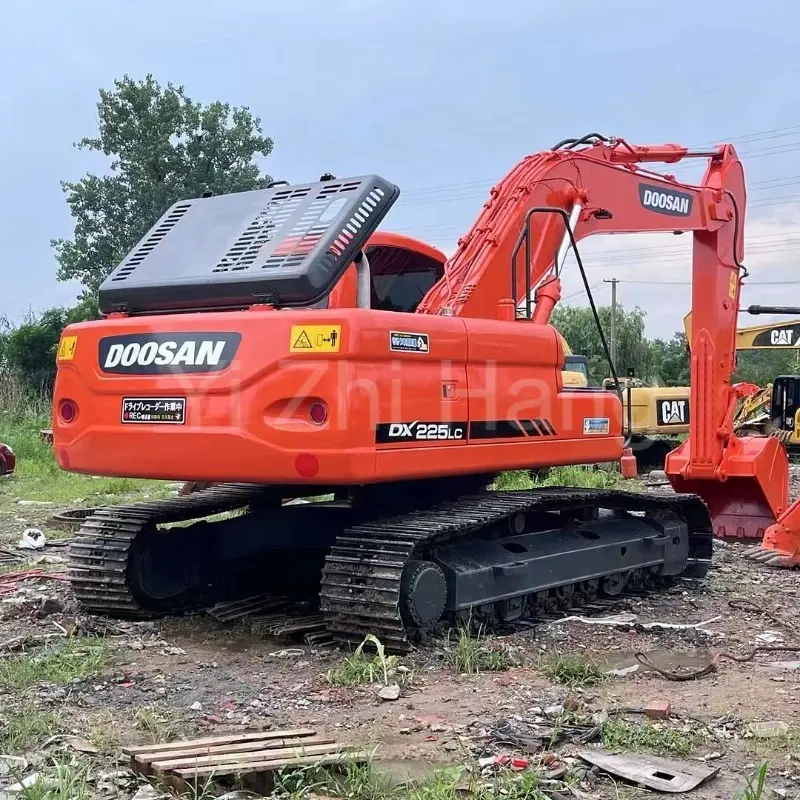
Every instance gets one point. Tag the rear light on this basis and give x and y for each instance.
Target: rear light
(318, 413)
(67, 410)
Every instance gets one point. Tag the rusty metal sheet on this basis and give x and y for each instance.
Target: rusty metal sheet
(652, 772)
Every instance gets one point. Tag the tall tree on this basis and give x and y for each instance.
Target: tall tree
(577, 325)
(669, 361)
(163, 147)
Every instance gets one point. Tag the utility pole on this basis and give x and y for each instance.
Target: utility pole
(613, 282)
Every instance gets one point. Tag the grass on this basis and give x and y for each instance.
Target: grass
(38, 476)
(471, 655)
(571, 670)
(656, 738)
(368, 782)
(158, 726)
(62, 779)
(59, 663)
(582, 476)
(359, 668)
(23, 727)
(755, 785)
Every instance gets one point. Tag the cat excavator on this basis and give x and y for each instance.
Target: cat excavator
(663, 411)
(261, 341)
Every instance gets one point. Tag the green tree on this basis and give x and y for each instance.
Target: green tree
(669, 361)
(763, 366)
(577, 325)
(29, 350)
(163, 147)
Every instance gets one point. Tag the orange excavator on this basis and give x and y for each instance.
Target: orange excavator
(276, 344)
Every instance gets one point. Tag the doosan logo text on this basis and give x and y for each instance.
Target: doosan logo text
(147, 355)
(665, 201)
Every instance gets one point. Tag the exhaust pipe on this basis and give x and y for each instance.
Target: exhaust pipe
(363, 281)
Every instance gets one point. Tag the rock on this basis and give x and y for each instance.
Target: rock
(148, 792)
(12, 764)
(572, 702)
(196, 706)
(768, 730)
(81, 745)
(49, 605)
(554, 711)
(26, 783)
(450, 746)
(391, 692)
(658, 709)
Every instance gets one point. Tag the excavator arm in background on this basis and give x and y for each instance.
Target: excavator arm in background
(552, 200)
(769, 336)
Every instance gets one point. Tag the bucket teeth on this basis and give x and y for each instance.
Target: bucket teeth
(770, 558)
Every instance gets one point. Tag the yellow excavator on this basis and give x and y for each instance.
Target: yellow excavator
(663, 411)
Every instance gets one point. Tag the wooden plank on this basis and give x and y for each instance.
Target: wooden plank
(270, 766)
(167, 763)
(215, 740)
(241, 747)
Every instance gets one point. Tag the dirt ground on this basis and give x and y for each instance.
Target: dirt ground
(147, 682)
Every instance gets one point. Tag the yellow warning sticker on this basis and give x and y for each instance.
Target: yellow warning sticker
(315, 338)
(66, 350)
(732, 286)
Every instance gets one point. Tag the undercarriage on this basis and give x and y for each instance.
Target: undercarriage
(400, 562)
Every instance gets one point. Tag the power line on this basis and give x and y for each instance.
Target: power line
(748, 138)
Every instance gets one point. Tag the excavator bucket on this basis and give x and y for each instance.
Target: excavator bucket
(781, 544)
(746, 494)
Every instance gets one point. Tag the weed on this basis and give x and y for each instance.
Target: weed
(105, 740)
(572, 670)
(473, 654)
(754, 788)
(158, 726)
(589, 477)
(359, 668)
(354, 781)
(21, 728)
(658, 738)
(365, 781)
(64, 779)
(61, 663)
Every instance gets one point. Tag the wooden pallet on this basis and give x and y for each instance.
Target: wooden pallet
(180, 763)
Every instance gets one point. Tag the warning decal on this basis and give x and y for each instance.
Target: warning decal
(409, 342)
(315, 338)
(66, 350)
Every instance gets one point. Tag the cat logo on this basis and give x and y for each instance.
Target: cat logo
(781, 337)
(672, 412)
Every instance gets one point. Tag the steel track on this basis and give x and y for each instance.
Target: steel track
(362, 579)
(361, 582)
(99, 555)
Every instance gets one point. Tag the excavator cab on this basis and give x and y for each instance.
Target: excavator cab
(785, 402)
(576, 371)
(401, 271)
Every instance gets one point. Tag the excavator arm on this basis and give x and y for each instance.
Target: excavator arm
(552, 200)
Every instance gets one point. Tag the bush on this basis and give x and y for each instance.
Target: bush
(28, 352)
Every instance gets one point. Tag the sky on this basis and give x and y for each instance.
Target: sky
(442, 98)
